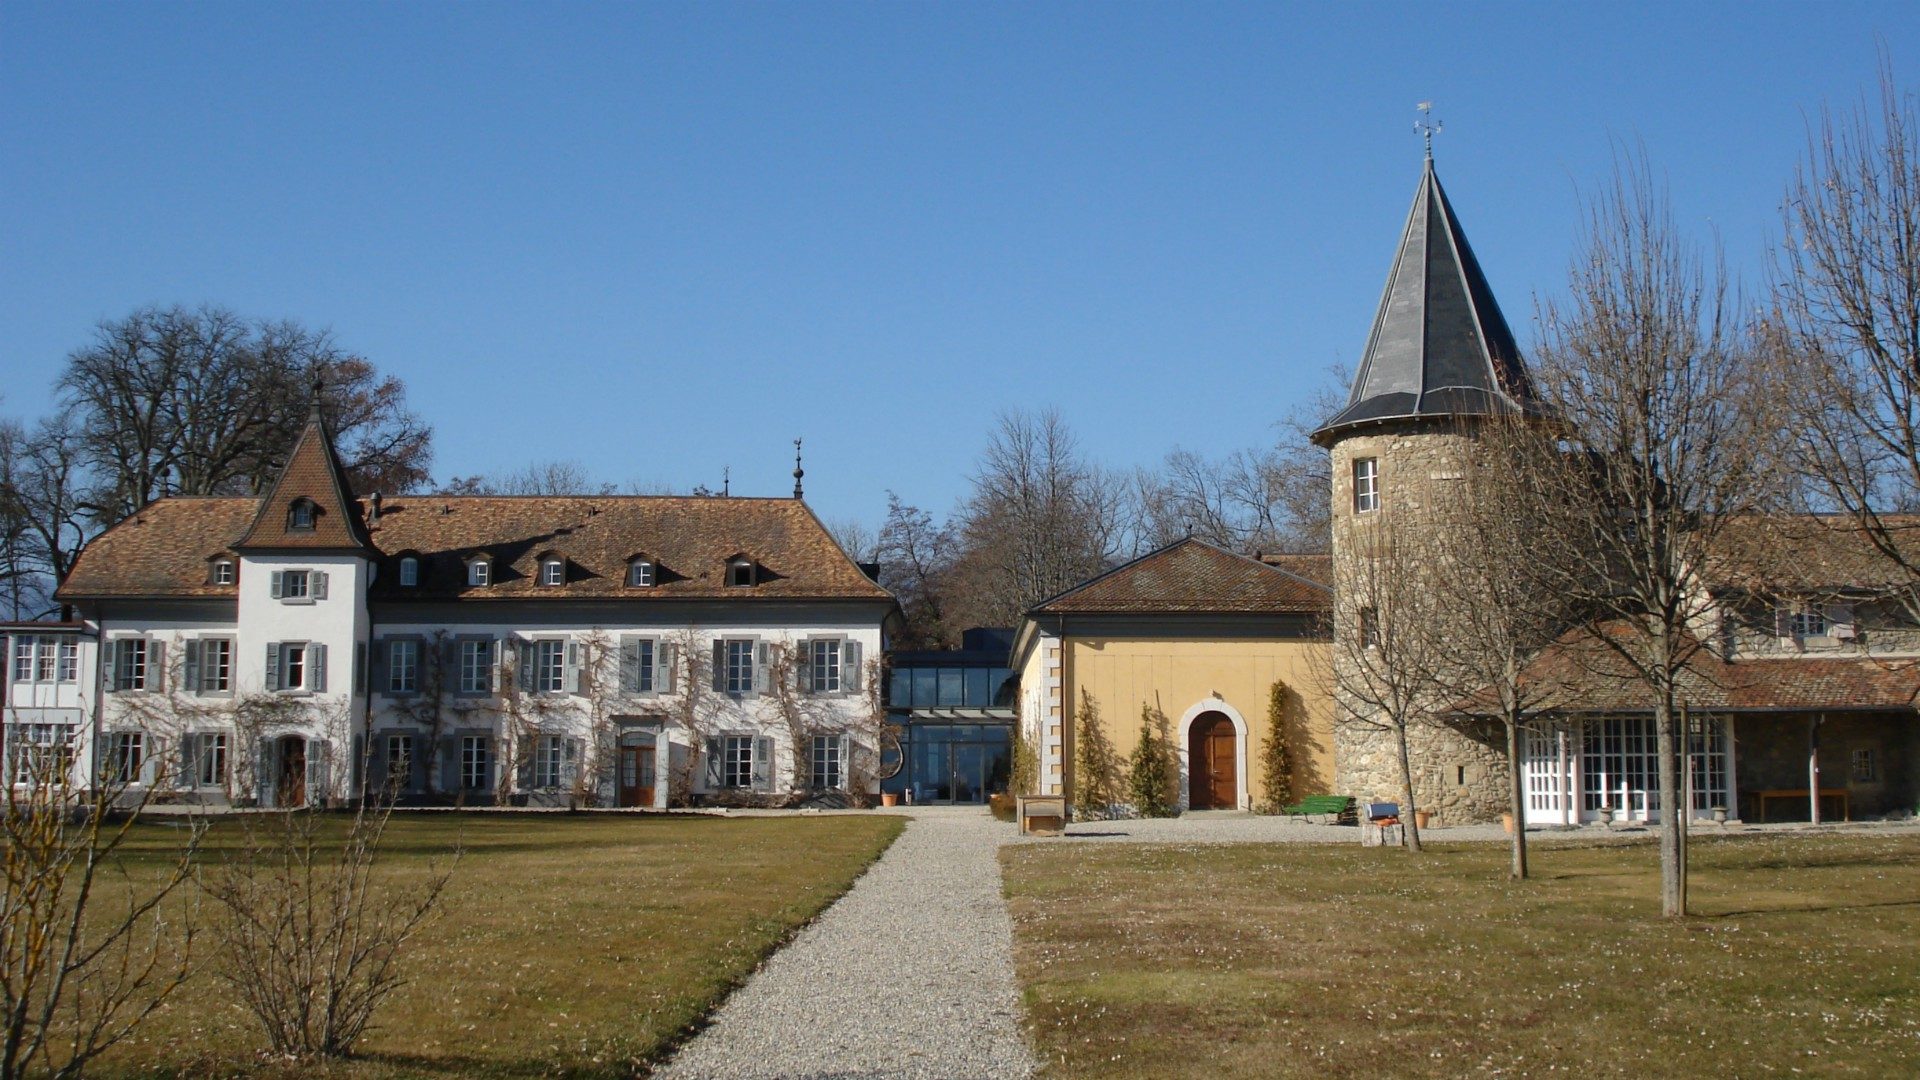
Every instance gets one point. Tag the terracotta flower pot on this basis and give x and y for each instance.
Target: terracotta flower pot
(1506, 821)
(889, 798)
(1422, 817)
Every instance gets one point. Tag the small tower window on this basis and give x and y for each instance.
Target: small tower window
(409, 572)
(479, 572)
(300, 515)
(1366, 485)
(740, 572)
(640, 574)
(553, 571)
(223, 572)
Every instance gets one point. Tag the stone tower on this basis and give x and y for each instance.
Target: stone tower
(1440, 354)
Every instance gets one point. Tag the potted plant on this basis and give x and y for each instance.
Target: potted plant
(889, 798)
(1422, 817)
(1606, 814)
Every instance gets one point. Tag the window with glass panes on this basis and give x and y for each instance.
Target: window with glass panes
(826, 762)
(549, 667)
(400, 762)
(824, 665)
(403, 666)
(124, 756)
(293, 585)
(39, 750)
(1366, 485)
(476, 762)
(739, 667)
(1809, 622)
(476, 666)
(69, 661)
(216, 665)
(45, 659)
(130, 664)
(211, 759)
(547, 758)
(736, 761)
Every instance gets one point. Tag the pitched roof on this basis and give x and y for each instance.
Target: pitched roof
(313, 473)
(1192, 576)
(1810, 553)
(163, 550)
(1440, 346)
(689, 540)
(1315, 568)
(1580, 673)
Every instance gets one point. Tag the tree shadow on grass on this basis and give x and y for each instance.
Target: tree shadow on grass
(1804, 909)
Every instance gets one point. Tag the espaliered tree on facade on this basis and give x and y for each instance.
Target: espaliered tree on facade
(1276, 760)
(1669, 437)
(1150, 766)
(1095, 784)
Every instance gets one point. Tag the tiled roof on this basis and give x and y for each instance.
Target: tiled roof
(1192, 576)
(1807, 552)
(313, 472)
(164, 550)
(1580, 673)
(1315, 568)
(689, 540)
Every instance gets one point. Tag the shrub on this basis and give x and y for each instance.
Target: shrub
(1149, 768)
(1093, 765)
(1276, 763)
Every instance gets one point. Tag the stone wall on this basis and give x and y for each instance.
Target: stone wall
(1459, 770)
(1771, 754)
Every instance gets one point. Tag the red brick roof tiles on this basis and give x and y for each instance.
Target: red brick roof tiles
(1193, 576)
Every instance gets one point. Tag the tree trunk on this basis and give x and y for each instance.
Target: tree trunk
(1409, 824)
(1673, 882)
(1516, 800)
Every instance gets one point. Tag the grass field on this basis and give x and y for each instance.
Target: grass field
(1336, 961)
(568, 945)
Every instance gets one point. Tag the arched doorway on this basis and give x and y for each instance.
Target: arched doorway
(1213, 775)
(290, 786)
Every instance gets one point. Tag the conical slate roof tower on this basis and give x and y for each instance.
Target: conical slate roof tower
(1440, 348)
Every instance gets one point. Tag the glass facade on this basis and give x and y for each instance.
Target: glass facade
(950, 687)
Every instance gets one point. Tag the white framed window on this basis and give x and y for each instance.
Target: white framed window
(300, 516)
(736, 761)
(39, 750)
(549, 667)
(1367, 630)
(479, 572)
(640, 574)
(69, 670)
(553, 572)
(739, 667)
(293, 666)
(409, 572)
(223, 572)
(637, 657)
(740, 572)
(1801, 621)
(476, 762)
(399, 762)
(1366, 485)
(297, 667)
(22, 659)
(126, 753)
(823, 666)
(476, 666)
(210, 759)
(549, 758)
(210, 666)
(403, 666)
(1866, 766)
(829, 771)
(297, 586)
(45, 658)
(130, 668)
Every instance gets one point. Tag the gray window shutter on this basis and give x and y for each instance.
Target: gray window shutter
(629, 665)
(500, 649)
(317, 584)
(109, 664)
(190, 667)
(852, 676)
(720, 667)
(382, 661)
(762, 661)
(523, 666)
(1783, 621)
(277, 585)
(358, 780)
(450, 763)
(572, 676)
(846, 762)
(319, 771)
(263, 769)
(154, 759)
(189, 751)
(665, 653)
(524, 749)
(156, 665)
(418, 760)
(376, 758)
(273, 665)
(763, 763)
(570, 767)
(714, 752)
(317, 668)
(803, 666)
(1839, 620)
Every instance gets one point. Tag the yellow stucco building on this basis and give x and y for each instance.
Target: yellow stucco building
(1196, 637)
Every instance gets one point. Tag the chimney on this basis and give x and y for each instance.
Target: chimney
(373, 508)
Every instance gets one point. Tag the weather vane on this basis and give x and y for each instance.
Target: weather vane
(1427, 126)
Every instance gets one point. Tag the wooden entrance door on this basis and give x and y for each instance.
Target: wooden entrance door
(290, 788)
(636, 776)
(1213, 778)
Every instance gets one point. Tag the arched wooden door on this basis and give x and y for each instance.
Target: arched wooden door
(290, 788)
(1213, 776)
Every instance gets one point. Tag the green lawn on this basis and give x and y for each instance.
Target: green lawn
(569, 945)
(1338, 961)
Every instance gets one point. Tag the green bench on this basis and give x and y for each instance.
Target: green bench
(1339, 807)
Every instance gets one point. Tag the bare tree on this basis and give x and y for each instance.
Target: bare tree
(47, 520)
(538, 478)
(917, 557)
(87, 951)
(1847, 320)
(1646, 364)
(855, 538)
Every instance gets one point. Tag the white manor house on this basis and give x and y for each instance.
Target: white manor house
(307, 647)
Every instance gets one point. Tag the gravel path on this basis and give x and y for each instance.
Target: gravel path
(909, 975)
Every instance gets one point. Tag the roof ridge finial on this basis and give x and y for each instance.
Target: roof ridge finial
(726, 481)
(798, 472)
(1427, 126)
(319, 388)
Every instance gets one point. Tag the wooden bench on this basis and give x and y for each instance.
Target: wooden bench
(1041, 815)
(1802, 797)
(1339, 807)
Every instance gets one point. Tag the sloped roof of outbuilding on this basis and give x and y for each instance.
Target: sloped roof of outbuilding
(1192, 576)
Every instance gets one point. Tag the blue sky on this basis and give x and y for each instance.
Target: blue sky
(664, 239)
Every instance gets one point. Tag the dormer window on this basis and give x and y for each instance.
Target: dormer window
(640, 574)
(222, 572)
(741, 572)
(409, 572)
(300, 515)
(553, 571)
(480, 571)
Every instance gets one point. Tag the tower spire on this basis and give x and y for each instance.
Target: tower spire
(798, 472)
(1427, 127)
